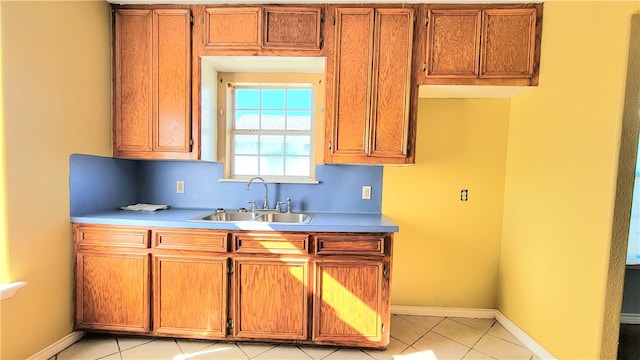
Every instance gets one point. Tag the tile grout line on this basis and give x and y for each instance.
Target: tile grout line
(426, 332)
(485, 333)
(407, 346)
(465, 345)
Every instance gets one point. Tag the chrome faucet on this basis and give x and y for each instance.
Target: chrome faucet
(265, 206)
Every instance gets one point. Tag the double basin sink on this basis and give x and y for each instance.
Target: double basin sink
(265, 217)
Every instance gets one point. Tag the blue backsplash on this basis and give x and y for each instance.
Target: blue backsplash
(104, 183)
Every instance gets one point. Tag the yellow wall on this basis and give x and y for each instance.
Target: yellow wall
(447, 251)
(57, 83)
(4, 254)
(561, 170)
(544, 265)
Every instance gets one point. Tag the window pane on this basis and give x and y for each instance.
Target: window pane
(272, 145)
(298, 145)
(245, 144)
(247, 98)
(272, 165)
(297, 166)
(299, 120)
(273, 98)
(299, 99)
(273, 120)
(247, 120)
(272, 131)
(245, 165)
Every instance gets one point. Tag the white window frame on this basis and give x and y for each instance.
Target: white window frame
(231, 131)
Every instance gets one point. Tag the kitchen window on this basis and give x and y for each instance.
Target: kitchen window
(271, 131)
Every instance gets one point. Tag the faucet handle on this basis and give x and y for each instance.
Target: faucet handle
(253, 205)
(288, 205)
(278, 204)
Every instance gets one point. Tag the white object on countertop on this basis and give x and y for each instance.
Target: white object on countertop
(144, 207)
(10, 289)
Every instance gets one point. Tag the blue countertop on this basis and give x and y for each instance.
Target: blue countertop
(181, 218)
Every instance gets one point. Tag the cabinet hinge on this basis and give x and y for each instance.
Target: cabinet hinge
(321, 16)
(321, 41)
(426, 21)
(330, 145)
(230, 324)
(385, 272)
(230, 268)
(334, 20)
(382, 329)
(192, 19)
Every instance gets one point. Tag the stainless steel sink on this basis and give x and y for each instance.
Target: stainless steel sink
(228, 216)
(297, 218)
(264, 217)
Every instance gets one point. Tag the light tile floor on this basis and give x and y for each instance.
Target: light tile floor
(412, 338)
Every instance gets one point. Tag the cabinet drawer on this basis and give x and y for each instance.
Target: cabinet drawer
(105, 235)
(350, 244)
(271, 243)
(233, 27)
(292, 27)
(203, 240)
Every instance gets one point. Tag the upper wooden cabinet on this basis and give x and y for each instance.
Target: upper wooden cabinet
(370, 103)
(482, 44)
(261, 29)
(152, 83)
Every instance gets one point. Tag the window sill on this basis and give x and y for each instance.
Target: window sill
(292, 181)
(8, 290)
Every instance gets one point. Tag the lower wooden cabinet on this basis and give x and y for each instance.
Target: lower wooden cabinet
(112, 291)
(190, 295)
(271, 300)
(314, 288)
(349, 302)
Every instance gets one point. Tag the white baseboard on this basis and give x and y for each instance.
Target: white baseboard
(57, 346)
(443, 311)
(512, 328)
(627, 318)
(525, 339)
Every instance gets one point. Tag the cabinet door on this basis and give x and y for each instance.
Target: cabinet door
(172, 80)
(233, 28)
(190, 295)
(391, 83)
(133, 83)
(508, 48)
(112, 291)
(369, 93)
(270, 298)
(348, 305)
(152, 67)
(291, 27)
(453, 43)
(349, 116)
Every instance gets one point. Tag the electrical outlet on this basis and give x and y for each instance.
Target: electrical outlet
(366, 192)
(179, 187)
(464, 195)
